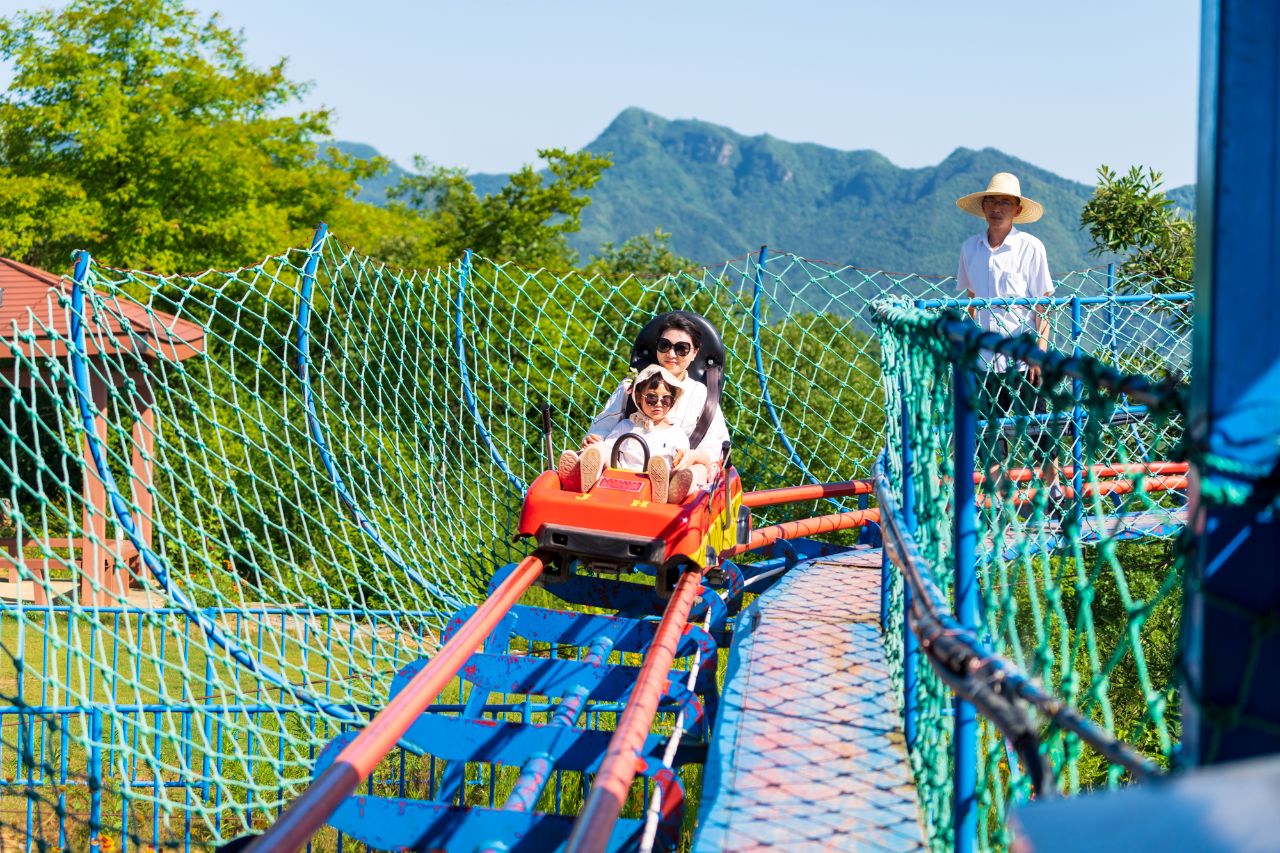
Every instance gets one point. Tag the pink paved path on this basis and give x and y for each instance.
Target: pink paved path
(809, 751)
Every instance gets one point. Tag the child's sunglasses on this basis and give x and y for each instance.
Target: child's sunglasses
(664, 401)
(682, 349)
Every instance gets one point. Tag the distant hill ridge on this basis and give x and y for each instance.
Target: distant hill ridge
(720, 194)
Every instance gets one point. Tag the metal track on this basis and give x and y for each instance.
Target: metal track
(588, 704)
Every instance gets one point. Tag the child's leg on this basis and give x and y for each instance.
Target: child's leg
(701, 475)
(685, 479)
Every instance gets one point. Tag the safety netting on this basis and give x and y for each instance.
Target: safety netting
(237, 503)
(1080, 478)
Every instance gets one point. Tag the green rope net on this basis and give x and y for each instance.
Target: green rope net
(1080, 504)
(304, 466)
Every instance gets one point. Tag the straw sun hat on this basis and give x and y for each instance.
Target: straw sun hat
(1002, 183)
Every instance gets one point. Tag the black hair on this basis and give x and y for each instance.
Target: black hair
(649, 383)
(707, 368)
(683, 324)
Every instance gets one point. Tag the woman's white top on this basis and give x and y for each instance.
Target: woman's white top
(662, 441)
(693, 396)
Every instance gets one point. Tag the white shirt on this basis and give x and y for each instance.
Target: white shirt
(662, 441)
(1018, 267)
(684, 414)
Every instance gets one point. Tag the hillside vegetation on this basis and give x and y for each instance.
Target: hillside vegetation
(720, 193)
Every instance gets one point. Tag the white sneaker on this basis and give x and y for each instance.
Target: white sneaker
(681, 484)
(570, 472)
(659, 476)
(591, 466)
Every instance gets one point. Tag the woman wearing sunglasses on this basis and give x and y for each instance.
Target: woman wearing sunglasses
(654, 393)
(676, 347)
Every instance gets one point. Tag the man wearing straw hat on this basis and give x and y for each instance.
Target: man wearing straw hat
(1005, 263)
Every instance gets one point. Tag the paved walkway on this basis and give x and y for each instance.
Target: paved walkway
(808, 751)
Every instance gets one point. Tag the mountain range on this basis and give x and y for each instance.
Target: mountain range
(721, 194)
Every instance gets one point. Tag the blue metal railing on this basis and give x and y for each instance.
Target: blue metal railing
(982, 681)
(949, 636)
(1057, 301)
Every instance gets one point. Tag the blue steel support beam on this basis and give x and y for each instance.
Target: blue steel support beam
(460, 351)
(1077, 418)
(910, 644)
(1232, 656)
(965, 439)
(95, 779)
(757, 299)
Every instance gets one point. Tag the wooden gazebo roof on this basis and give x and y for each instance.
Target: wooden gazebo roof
(29, 302)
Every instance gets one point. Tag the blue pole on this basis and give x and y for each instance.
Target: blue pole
(1111, 315)
(316, 428)
(95, 778)
(910, 645)
(1231, 660)
(124, 515)
(1113, 343)
(765, 397)
(1077, 419)
(886, 582)
(460, 351)
(964, 436)
(886, 570)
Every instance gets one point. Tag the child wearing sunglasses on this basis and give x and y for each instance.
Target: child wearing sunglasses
(653, 395)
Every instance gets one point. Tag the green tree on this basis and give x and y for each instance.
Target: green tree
(393, 234)
(643, 254)
(1130, 215)
(138, 130)
(527, 221)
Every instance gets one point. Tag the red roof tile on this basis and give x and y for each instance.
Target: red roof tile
(32, 300)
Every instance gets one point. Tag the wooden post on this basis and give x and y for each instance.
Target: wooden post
(140, 466)
(95, 557)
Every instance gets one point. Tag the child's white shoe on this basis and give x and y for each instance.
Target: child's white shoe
(591, 466)
(569, 471)
(659, 475)
(681, 483)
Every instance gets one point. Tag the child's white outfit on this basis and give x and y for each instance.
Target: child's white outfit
(684, 414)
(663, 439)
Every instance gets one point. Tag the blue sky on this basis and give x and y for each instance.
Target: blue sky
(484, 84)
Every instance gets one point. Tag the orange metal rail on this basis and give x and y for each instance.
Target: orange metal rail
(793, 494)
(1124, 487)
(1105, 487)
(618, 770)
(308, 813)
(805, 527)
(1022, 475)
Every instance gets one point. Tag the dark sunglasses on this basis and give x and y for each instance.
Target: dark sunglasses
(664, 401)
(681, 349)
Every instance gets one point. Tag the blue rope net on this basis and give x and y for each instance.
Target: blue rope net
(299, 469)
